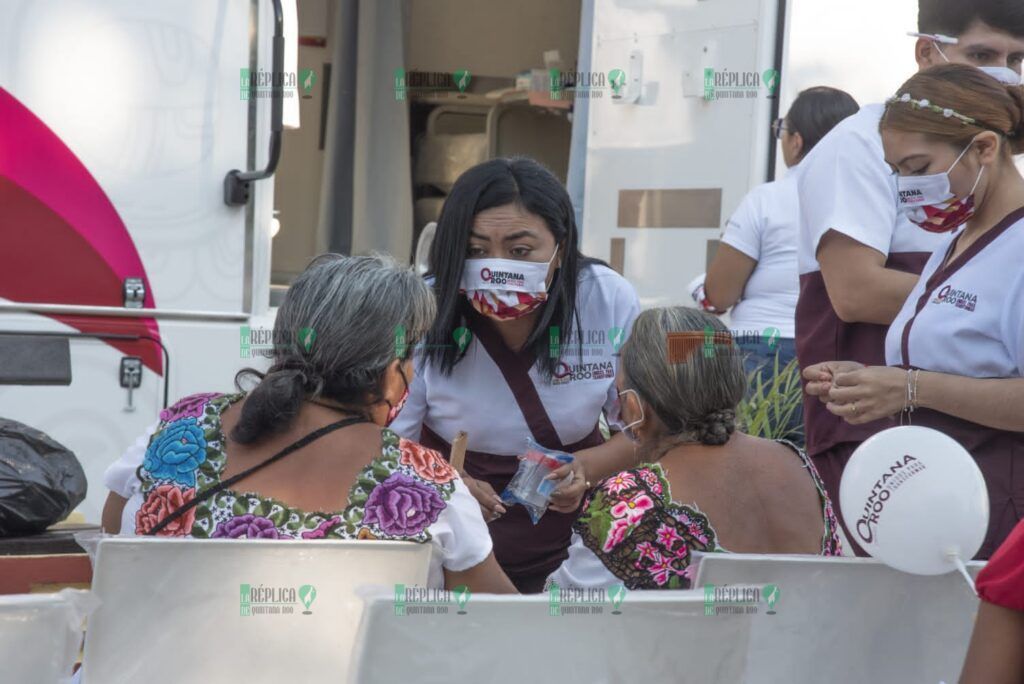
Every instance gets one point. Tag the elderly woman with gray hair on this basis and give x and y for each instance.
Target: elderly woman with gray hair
(699, 484)
(306, 453)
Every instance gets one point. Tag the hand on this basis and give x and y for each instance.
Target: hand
(491, 506)
(819, 376)
(866, 394)
(567, 498)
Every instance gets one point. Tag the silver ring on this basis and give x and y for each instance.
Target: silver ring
(854, 408)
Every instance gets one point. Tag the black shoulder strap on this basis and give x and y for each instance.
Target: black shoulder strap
(221, 486)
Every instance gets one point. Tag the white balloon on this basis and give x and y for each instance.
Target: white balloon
(914, 498)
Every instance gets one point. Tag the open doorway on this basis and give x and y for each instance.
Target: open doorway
(439, 86)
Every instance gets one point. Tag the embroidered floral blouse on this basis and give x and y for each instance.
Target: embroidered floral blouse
(631, 531)
(407, 493)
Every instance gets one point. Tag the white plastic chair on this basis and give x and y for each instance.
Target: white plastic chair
(850, 620)
(660, 636)
(40, 636)
(176, 611)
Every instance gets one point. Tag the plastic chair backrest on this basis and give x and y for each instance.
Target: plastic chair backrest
(40, 637)
(217, 610)
(855, 619)
(658, 636)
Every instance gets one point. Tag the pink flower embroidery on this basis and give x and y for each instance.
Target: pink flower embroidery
(616, 533)
(648, 476)
(690, 573)
(632, 509)
(647, 550)
(620, 482)
(188, 407)
(667, 537)
(660, 571)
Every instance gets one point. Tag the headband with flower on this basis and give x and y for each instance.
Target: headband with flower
(905, 98)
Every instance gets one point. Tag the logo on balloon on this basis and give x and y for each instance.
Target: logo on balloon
(899, 472)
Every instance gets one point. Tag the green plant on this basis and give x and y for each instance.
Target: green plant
(770, 406)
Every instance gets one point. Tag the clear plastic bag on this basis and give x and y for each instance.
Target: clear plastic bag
(528, 486)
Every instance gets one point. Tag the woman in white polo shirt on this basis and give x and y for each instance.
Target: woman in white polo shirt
(956, 349)
(755, 269)
(524, 345)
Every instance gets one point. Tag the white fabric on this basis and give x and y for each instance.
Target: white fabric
(582, 569)
(765, 228)
(947, 336)
(475, 397)
(459, 536)
(845, 185)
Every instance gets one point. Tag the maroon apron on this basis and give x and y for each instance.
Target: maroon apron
(527, 553)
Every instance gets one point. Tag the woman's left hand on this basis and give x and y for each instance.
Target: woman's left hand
(867, 394)
(567, 498)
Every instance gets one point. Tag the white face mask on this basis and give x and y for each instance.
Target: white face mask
(628, 430)
(1002, 74)
(505, 288)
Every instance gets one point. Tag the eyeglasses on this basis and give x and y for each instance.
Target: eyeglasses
(778, 127)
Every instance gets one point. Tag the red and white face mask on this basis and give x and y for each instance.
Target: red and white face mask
(505, 288)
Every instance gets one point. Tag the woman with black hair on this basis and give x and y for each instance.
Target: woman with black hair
(524, 345)
(755, 270)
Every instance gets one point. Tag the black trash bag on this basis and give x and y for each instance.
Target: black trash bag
(41, 481)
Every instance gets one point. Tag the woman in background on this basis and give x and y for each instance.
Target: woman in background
(755, 269)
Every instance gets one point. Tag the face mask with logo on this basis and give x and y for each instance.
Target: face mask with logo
(929, 203)
(505, 288)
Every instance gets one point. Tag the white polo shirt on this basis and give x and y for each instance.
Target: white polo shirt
(477, 399)
(967, 318)
(765, 228)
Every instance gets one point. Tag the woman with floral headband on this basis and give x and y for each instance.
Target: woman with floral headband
(956, 349)
(306, 453)
(699, 484)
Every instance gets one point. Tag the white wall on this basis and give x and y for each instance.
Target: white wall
(861, 47)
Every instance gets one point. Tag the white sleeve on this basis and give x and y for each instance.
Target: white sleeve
(119, 476)
(461, 531)
(625, 309)
(409, 421)
(745, 227)
(845, 186)
(1013, 324)
(581, 569)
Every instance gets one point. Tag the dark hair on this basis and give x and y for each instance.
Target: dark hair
(496, 183)
(952, 17)
(685, 365)
(816, 111)
(965, 90)
(342, 323)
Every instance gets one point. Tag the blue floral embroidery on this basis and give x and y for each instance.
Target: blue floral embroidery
(177, 452)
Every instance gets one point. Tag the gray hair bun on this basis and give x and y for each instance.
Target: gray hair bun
(716, 428)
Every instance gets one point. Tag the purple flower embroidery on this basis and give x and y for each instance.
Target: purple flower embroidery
(321, 530)
(248, 526)
(401, 506)
(189, 407)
